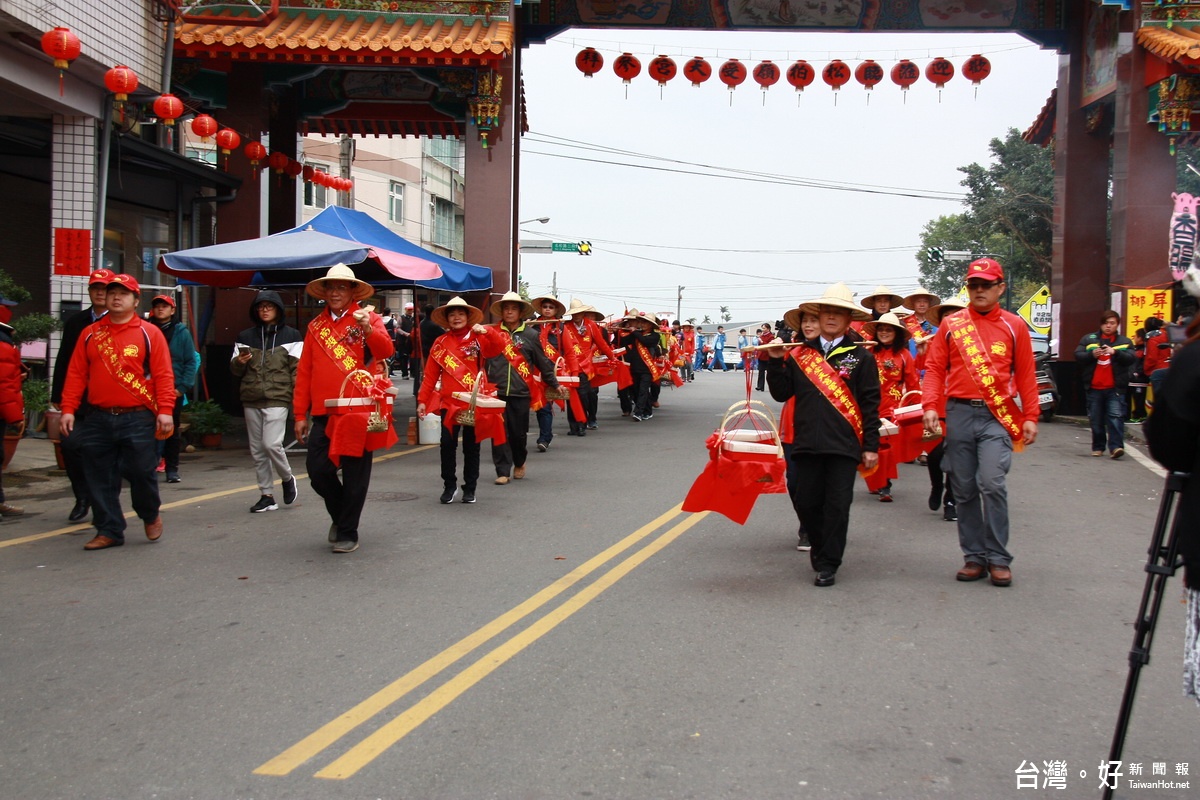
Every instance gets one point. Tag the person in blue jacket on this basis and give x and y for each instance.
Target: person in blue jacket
(184, 362)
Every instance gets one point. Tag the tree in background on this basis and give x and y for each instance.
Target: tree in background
(725, 315)
(1009, 211)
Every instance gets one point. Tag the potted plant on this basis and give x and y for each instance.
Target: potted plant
(208, 421)
(36, 393)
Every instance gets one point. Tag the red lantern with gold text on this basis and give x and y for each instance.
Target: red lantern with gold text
(63, 46)
(204, 126)
(121, 81)
(975, 69)
(836, 74)
(868, 73)
(256, 153)
(697, 70)
(766, 75)
(228, 140)
(800, 75)
(733, 74)
(939, 72)
(589, 61)
(662, 69)
(168, 107)
(627, 68)
(904, 75)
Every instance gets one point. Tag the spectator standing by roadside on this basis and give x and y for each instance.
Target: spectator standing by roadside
(12, 402)
(184, 362)
(718, 359)
(402, 339)
(1137, 394)
(1158, 353)
(123, 365)
(264, 362)
(427, 332)
(72, 329)
(765, 336)
(1106, 360)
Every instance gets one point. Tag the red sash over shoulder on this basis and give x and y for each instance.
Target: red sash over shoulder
(516, 359)
(460, 369)
(128, 379)
(961, 331)
(347, 431)
(831, 386)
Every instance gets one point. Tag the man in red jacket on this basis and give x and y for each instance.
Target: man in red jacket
(974, 358)
(123, 364)
(340, 340)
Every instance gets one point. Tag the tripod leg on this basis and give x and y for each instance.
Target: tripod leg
(1160, 565)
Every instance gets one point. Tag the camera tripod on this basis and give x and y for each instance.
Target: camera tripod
(1161, 564)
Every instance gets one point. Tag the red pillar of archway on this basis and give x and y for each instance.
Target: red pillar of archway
(246, 114)
(1143, 179)
(1079, 282)
(489, 202)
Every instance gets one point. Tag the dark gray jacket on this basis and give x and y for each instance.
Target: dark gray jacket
(501, 372)
(269, 377)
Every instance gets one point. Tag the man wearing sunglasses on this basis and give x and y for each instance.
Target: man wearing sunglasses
(976, 359)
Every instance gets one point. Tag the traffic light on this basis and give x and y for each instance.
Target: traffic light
(936, 254)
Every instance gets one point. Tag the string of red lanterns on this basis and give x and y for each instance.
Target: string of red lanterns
(64, 47)
(800, 74)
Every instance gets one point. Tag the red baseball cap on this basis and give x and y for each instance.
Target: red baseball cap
(128, 281)
(101, 276)
(163, 298)
(987, 269)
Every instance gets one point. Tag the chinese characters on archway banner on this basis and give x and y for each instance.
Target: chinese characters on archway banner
(1142, 304)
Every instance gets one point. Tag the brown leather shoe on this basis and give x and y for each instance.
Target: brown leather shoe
(519, 472)
(1001, 575)
(100, 542)
(500, 480)
(154, 529)
(972, 571)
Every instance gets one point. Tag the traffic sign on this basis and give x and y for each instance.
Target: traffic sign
(582, 248)
(1036, 310)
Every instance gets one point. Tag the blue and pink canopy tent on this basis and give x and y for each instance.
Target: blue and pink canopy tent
(337, 235)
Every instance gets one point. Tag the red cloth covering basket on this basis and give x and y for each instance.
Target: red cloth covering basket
(744, 462)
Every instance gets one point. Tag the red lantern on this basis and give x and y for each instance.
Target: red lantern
(121, 81)
(278, 162)
(662, 69)
(228, 140)
(589, 61)
(975, 69)
(732, 73)
(939, 72)
(836, 74)
(255, 152)
(766, 75)
(309, 173)
(63, 46)
(294, 168)
(627, 68)
(168, 107)
(321, 178)
(800, 75)
(697, 70)
(204, 126)
(868, 73)
(904, 75)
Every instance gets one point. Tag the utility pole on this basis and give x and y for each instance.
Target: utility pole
(554, 284)
(679, 303)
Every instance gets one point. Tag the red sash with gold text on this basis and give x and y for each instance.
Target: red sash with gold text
(974, 352)
(339, 351)
(831, 386)
(651, 362)
(462, 368)
(129, 380)
(516, 359)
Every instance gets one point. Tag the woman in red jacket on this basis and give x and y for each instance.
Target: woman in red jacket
(897, 371)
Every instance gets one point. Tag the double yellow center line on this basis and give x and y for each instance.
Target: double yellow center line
(399, 726)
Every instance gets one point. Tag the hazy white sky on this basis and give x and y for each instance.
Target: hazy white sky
(761, 238)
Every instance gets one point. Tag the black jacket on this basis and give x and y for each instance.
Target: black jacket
(819, 428)
(1173, 432)
(72, 329)
(631, 339)
(1123, 359)
(500, 370)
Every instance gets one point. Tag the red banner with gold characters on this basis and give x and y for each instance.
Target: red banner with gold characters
(974, 352)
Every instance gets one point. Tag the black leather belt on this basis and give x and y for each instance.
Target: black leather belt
(972, 403)
(115, 410)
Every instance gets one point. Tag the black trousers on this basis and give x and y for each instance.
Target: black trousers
(642, 383)
(73, 461)
(516, 427)
(345, 498)
(824, 491)
(449, 448)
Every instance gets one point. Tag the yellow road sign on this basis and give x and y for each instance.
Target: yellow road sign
(1036, 310)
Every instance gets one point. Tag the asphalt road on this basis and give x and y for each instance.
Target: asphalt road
(575, 634)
